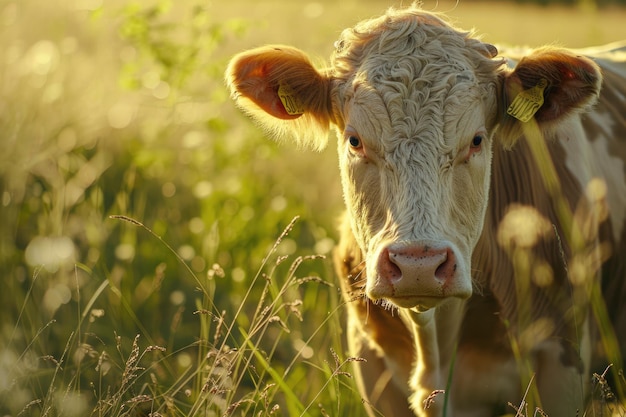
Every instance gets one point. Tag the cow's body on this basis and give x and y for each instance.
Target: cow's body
(486, 377)
(465, 269)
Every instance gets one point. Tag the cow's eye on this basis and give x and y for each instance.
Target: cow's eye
(478, 139)
(354, 141)
(475, 146)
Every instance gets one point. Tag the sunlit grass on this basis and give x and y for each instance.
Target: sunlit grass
(99, 314)
(185, 304)
(254, 359)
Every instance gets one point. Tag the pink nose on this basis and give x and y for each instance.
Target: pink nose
(414, 270)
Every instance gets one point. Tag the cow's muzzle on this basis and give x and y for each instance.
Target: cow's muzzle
(418, 275)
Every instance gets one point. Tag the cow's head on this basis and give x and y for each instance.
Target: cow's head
(417, 106)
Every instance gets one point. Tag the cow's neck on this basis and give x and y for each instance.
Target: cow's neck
(435, 333)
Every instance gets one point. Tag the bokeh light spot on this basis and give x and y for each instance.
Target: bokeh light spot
(125, 252)
(44, 57)
(120, 115)
(168, 189)
(50, 252)
(202, 189)
(196, 225)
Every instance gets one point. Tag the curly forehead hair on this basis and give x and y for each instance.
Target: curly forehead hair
(407, 32)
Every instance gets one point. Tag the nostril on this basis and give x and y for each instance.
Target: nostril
(447, 268)
(387, 266)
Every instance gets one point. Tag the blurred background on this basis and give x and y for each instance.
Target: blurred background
(111, 107)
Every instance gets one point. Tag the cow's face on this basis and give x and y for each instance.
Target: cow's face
(415, 152)
(416, 105)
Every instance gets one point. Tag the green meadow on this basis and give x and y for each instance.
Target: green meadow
(158, 255)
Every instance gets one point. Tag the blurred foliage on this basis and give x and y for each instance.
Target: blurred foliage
(120, 109)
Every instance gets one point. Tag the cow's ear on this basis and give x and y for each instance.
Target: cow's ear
(547, 86)
(280, 88)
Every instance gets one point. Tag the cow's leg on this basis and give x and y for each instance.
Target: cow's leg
(484, 383)
(561, 380)
(379, 378)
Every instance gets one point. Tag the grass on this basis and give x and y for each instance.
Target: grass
(92, 135)
(580, 234)
(139, 211)
(228, 370)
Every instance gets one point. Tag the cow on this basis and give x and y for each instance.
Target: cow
(482, 248)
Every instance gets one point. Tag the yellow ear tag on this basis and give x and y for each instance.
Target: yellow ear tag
(526, 104)
(292, 105)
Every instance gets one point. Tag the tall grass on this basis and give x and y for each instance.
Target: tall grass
(117, 109)
(576, 228)
(244, 361)
(139, 213)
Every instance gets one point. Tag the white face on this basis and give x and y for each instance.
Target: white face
(415, 169)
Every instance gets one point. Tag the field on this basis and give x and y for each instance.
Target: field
(157, 253)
